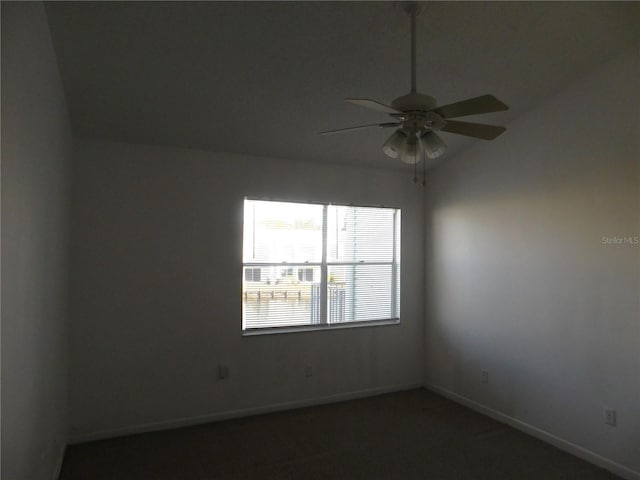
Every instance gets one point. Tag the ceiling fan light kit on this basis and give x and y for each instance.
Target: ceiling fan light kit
(392, 146)
(434, 146)
(412, 150)
(417, 118)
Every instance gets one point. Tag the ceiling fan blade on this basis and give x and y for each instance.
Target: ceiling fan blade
(379, 125)
(372, 104)
(477, 130)
(472, 106)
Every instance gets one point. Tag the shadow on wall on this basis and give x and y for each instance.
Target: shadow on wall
(533, 242)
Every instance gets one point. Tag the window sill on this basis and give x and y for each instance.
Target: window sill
(313, 328)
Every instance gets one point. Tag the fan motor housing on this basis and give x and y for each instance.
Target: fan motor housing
(414, 102)
(420, 122)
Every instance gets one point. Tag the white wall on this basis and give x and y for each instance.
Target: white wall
(36, 153)
(156, 288)
(519, 281)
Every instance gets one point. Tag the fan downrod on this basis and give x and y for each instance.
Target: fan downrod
(410, 8)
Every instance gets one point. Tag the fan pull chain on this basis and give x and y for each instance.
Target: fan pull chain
(415, 173)
(424, 172)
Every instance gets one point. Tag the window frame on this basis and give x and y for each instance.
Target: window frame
(324, 265)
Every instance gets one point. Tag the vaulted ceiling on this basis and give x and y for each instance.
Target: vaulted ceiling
(262, 78)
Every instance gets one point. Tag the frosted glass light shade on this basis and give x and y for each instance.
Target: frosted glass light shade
(412, 150)
(433, 145)
(393, 145)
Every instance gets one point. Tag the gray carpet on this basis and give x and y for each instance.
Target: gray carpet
(408, 435)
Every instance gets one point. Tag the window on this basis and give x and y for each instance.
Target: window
(305, 274)
(286, 272)
(319, 265)
(252, 274)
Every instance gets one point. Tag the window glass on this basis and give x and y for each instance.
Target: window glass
(319, 265)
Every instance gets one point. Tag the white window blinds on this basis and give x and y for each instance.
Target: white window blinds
(315, 265)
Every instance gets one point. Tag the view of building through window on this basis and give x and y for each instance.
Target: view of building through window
(313, 264)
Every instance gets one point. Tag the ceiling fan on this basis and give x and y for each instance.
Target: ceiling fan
(417, 117)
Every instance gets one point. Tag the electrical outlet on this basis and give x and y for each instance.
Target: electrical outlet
(610, 416)
(223, 372)
(308, 371)
(484, 376)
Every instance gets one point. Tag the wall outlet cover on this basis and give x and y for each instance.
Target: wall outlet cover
(610, 416)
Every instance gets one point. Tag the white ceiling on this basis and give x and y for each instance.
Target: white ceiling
(262, 78)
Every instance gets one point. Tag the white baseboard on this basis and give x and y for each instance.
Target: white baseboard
(59, 460)
(229, 414)
(543, 435)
